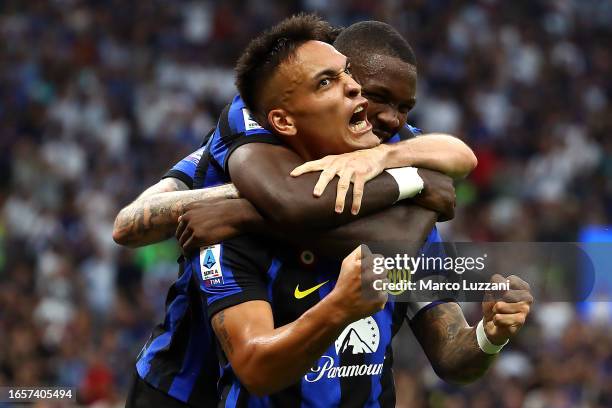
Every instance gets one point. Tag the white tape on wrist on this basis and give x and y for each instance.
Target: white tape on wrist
(408, 181)
(484, 343)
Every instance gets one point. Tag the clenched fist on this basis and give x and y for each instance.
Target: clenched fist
(505, 315)
(354, 293)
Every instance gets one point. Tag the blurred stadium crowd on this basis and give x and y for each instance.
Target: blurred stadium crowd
(99, 98)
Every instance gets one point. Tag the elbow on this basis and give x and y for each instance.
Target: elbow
(121, 238)
(447, 200)
(450, 202)
(455, 376)
(468, 161)
(120, 235)
(251, 370)
(471, 161)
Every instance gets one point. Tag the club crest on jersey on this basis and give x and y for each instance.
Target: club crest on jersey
(249, 122)
(210, 266)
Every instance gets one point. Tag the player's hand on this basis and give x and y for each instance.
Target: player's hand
(438, 194)
(356, 167)
(209, 222)
(505, 312)
(354, 293)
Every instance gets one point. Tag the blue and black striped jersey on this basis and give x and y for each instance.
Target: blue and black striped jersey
(235, 128)
(180, 356)
(354, 371)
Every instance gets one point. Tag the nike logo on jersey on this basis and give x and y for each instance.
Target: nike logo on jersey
(299, 294)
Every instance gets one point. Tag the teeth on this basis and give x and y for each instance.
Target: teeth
(358, 109)
(359, 126)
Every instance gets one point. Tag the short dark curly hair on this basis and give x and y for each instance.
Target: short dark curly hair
(365, 38)
(268, 51)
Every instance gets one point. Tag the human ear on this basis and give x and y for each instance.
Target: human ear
(282, 122)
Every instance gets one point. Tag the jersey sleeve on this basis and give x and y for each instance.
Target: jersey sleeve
(433, 248)
(235, 128)
(185, 169)
(231, 273)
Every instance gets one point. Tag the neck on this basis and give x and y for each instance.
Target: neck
(299, 148)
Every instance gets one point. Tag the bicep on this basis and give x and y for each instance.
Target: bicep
(236, 327)
(261, 172)
(262, 164)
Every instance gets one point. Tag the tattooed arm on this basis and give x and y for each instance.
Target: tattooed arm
(450, 343)
(153, 216)
(267, 358)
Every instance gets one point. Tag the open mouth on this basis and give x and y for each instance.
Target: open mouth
(359, 121)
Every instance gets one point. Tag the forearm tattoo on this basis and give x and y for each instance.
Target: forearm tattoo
(222, 333)
(450, 344)
(154, 217)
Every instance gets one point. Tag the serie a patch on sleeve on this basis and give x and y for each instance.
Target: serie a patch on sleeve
(249, 122)
(210, 265)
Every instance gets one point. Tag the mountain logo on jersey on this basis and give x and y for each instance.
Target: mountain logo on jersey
(359, 337)
(249, 122)
(209, 265)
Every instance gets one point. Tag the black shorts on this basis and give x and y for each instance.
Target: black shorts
(143, 395)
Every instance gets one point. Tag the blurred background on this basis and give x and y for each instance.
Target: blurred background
(99, 98)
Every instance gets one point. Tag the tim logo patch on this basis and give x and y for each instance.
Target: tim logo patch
(210, 266)
(249, 122)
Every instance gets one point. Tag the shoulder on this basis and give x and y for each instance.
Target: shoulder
(406, 132)
(240, 119)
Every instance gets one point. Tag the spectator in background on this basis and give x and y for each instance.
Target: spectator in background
(85, 86)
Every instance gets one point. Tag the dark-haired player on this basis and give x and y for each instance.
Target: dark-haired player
(168, 368)
(278, 349)
(213, 256)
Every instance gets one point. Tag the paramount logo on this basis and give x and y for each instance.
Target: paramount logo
(360, 337)
(329, 370)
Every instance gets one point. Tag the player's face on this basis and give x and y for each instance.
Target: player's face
(324, 103)
(389, 84)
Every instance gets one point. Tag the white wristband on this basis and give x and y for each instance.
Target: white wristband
(408, 181)
(484, 343)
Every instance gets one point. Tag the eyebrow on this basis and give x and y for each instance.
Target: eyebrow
(331, 72)
(385, 93)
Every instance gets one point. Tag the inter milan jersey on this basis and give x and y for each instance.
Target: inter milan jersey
(354, 371)
(180, 356)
